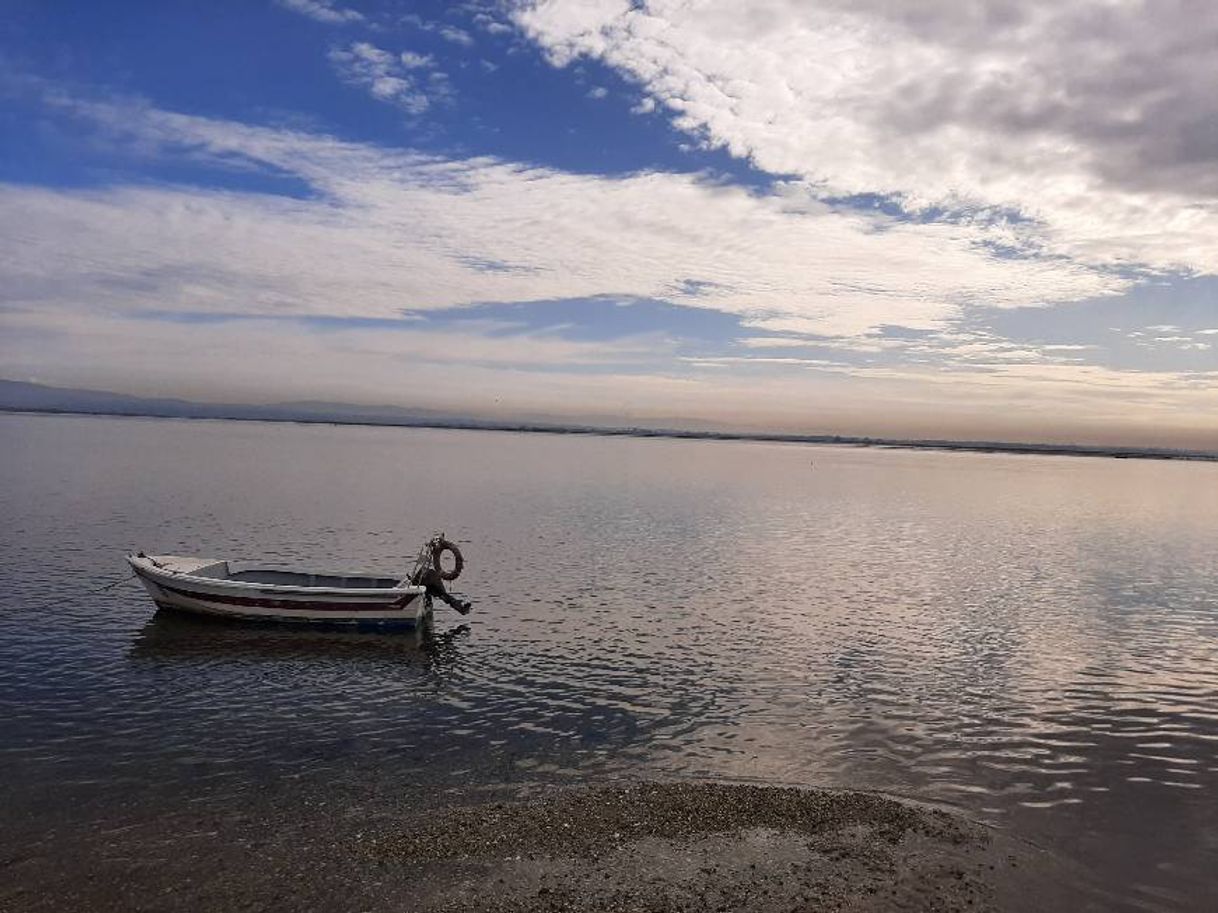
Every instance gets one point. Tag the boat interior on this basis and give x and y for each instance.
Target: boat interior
(295, 578)
(244, 573)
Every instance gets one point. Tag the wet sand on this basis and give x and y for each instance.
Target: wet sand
(678, 847)
(643, 847)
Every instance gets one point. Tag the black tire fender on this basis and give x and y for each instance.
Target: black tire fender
(438, 548)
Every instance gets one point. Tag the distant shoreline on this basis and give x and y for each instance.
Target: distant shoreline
(1003, 447)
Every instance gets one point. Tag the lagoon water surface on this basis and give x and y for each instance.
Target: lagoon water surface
(1030, 640)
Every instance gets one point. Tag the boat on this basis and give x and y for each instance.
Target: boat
(258, 591)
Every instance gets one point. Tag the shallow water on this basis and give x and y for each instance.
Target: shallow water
(1028, 639)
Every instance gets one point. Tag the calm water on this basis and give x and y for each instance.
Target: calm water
(1028, 639)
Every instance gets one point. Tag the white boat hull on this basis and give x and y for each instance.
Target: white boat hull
(202, 586)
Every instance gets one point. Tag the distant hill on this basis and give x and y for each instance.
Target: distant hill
(19, 396)
(22, 396)
(16, 394)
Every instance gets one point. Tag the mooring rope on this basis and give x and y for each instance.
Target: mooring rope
(46, 604)
(110, 586)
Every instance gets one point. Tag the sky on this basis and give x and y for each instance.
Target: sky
(969, 219)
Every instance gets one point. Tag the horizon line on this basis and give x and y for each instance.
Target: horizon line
(470, 423)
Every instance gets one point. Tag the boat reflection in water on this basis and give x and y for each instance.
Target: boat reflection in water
(176, 636)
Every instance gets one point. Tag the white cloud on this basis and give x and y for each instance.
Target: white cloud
(389, 77)
(86, 273)
(776, 342)
(322, 11)
(722, 360)
(397, 230)
(1093, 119)
(412, 61)
(456, 35)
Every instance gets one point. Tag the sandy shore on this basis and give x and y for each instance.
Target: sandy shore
(642, 847)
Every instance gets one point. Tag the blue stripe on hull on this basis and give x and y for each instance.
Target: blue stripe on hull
(405, 622)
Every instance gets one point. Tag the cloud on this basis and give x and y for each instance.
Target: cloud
(1092, 120)
(456, 35)
(392, 230)
(390, 77)
(412, 61)
(322, 11)
(96, 276)
(776, 342)
(264, 360)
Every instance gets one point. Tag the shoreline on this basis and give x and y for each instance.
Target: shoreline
(941, 446)
(647, 846)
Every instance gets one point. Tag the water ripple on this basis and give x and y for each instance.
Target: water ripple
(1028, 639)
